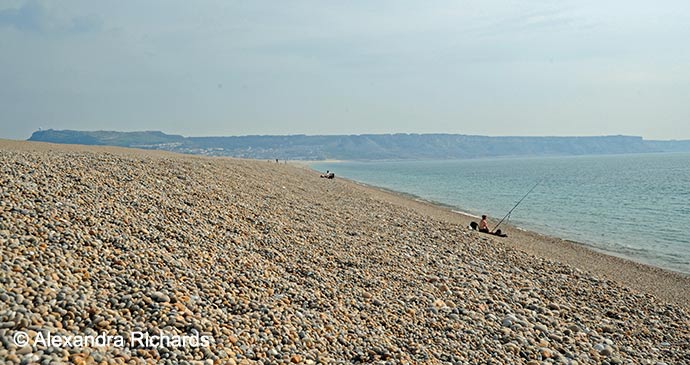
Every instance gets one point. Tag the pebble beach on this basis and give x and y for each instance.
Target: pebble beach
(274, 265)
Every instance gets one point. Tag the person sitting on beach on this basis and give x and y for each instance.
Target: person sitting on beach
(328, 175)
(483, 226)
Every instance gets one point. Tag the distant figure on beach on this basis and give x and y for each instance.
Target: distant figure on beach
(483, 226)
(328, 175)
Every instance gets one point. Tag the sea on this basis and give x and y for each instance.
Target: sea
(635, 206)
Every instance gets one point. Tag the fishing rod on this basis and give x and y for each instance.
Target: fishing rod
(516, 205)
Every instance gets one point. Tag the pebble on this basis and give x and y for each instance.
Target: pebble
(541, 328)
(508, 321)
(160, 297)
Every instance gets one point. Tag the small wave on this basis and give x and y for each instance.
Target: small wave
(465, 213)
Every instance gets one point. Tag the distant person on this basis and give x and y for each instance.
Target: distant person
(483, 225)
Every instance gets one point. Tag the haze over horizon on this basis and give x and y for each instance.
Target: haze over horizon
(222, 68)
(345, 134)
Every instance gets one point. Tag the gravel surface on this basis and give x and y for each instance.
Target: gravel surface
(277, 266)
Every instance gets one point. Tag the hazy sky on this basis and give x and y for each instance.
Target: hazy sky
(347, 67)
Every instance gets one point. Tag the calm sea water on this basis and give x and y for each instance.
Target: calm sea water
(634, 206)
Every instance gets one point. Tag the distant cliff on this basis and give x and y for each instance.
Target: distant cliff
(365, 146)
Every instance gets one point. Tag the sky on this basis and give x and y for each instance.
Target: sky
(214, 68)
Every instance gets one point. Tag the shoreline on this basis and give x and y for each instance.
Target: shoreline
(646, 246)
(494, 220)
(672, 286)
(591, 244)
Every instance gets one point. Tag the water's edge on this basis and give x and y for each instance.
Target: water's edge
(470, 215)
